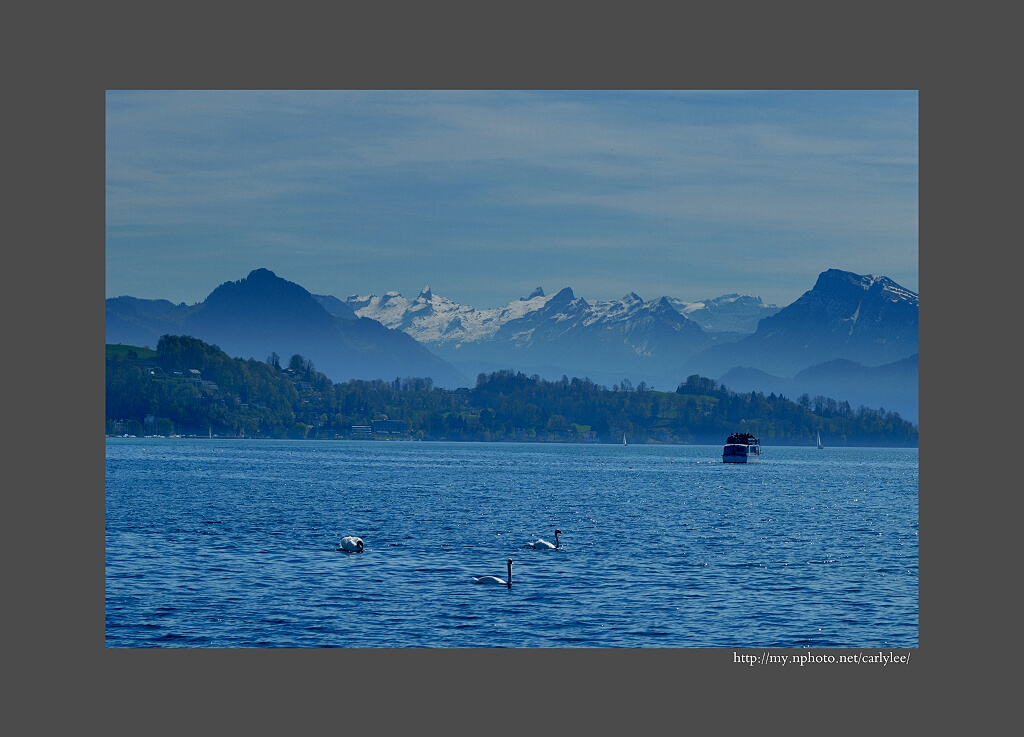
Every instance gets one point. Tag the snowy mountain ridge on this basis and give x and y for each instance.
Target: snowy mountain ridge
(434, 319)
(431, 318)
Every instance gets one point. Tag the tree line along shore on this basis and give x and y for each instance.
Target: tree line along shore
(188, 387)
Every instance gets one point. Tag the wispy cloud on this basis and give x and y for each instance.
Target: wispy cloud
(421, 176)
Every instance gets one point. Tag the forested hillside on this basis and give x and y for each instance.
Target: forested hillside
(187, 387)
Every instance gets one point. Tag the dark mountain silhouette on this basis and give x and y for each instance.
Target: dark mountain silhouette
(336, 307)
(893, 386)
(141, 322)
(852, 338)
(867, 319)
(261, 314)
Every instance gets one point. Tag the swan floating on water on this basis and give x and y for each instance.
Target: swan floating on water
(544, 544)
(495, 579)
(351, 544)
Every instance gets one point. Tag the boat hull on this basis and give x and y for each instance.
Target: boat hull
(741, 459)
(741, 449)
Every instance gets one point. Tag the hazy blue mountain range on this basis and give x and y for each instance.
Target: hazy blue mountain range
(569, 336)
(262, 313)
(336, 307)
(563, 334)
(893, 386)
(866, 319)
(141, 322)
(846, 338)
(732, 315)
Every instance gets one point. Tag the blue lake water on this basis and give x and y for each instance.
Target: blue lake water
(232, 543)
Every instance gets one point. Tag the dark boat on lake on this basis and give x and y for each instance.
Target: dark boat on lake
(742, 448)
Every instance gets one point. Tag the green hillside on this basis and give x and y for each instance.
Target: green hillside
(186, 387)
(122, 351)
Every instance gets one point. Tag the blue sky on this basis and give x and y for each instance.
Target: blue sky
(485, 195)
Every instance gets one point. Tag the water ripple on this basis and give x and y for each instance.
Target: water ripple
(232, 544)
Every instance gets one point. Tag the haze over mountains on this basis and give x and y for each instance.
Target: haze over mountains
(262, 314)
(892, 386)
(852, 338)
(868, 319)
(563, 334)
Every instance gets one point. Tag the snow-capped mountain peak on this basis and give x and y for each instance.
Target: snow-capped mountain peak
(837, 284)
(730, 313)
(433, 319)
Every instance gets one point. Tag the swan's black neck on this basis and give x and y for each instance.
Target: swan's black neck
(557, 544)
(510, 573)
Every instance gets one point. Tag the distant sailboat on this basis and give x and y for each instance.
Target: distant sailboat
(624, 439)
(820, 446)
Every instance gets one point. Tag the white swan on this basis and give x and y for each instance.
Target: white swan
(544, 544)
(351, 544)
(495, 579)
